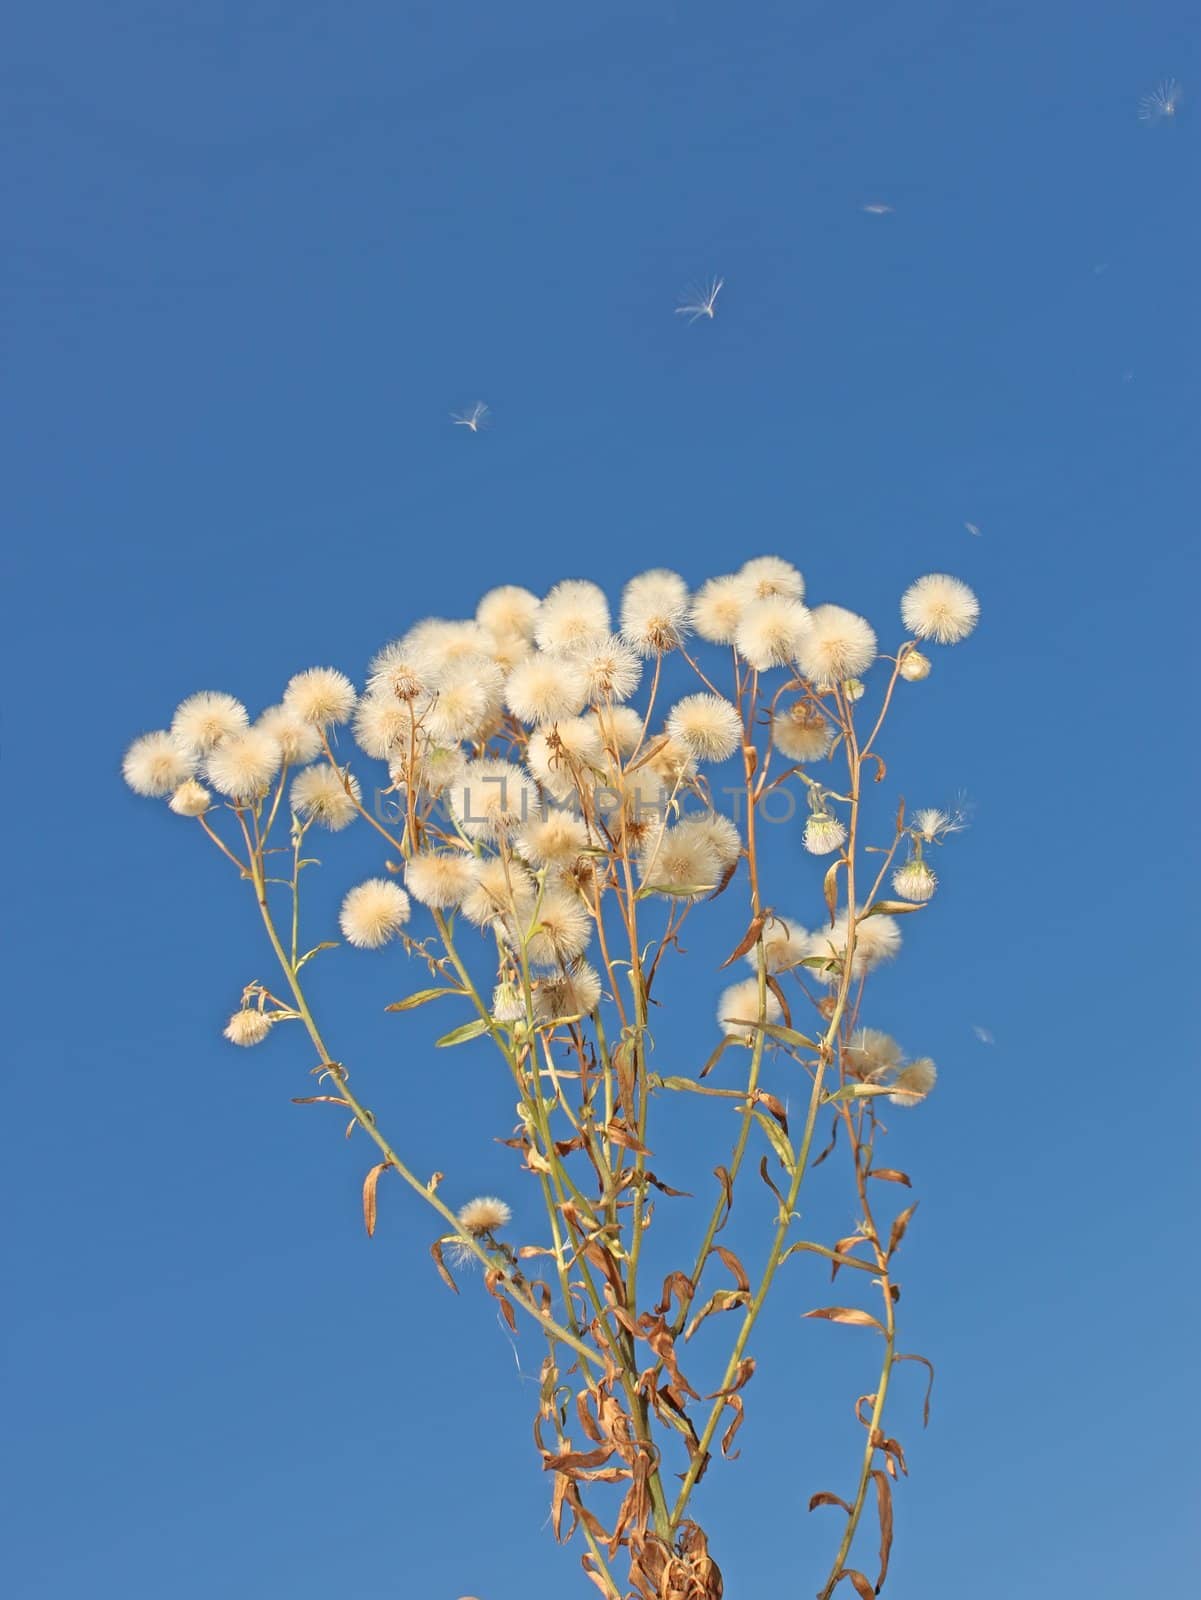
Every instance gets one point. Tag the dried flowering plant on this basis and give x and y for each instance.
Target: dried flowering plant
(557, 826)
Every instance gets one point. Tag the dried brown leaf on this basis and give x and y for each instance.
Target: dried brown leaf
(825, 1498)
(369, 1187)
(858, 1582)
(929, 1384)
(747, 942)
(850, 1315)
(890, 1175)
(884, 1509)
(436, 1252)
(899, 1226)
(735, 1267)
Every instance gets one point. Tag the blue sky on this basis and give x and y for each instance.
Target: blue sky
(255, 256)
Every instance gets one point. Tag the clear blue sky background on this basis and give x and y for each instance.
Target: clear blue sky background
(255, 255)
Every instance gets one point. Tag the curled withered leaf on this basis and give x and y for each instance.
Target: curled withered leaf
(929, 1384)
(436, 1252)
(722, 1300)
(319, 1100)
(492, 1281)
(774, 1105)
(829, 1149)
(850, 1315)
(899, 1226)
(621, 1135)
(825, 1498)
(890, 1175)
(785, 1009)
(727, 1189)
(527, 1251)
(892, 1451)
(743, 1374)
(747, 942)
(858, 1582)
(435, 1179)
(677, 1286)
(733, 1265)
(881, 769)
(884, 1510)
(663, 1188)
(766, 1176)
(370, 1182)
(735, 1404)
(572, 1461)
(893, 908)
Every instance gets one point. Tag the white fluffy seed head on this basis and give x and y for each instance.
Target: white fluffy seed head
(569, 994)
(243, 766)
(765, 576)
(440, 879)
(373, 912)
(707, 726)
(869, 1053)
(785, 943)
(718, 607)
(801, 732)
(486, 1214)
(383, 725)
(877, 939)
(914, 1082)
(203, 720)
(620, 729)
(320, 696)
(298, 741)
(739, 1006)
(467, 699)
(509, 650)
(555, 840)
(437, 646)
(557, 929)
(545, 688)
(681, 862)
(837, 645)
(501, 892)
(574, 614)
(564, 757)
(155, 765)
(939, 607)
(611, 670)
(508, 1003)
(394, 671)
(493, 799)
(716, 833)
(654, 612)
(915, 880)
(914, 666)
(509, 609)
(823, 833)
(247, 1027)
(319, 794)
(771, 632)
(191, 799)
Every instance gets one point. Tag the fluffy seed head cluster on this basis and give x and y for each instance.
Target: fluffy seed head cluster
(680, 861)
(203, 720)
(247, 1027)
(877, 939)
(493, 799)
(914, 1082)
(543, 688)
(871, 1054)
(561, 757)
(574, 614)
(836, 645)
(801, 732)
(373, 912)
(569, 994)
(739, 1006)
(714, 832)
(299, 741)
(320, 794)
(939, 607)
(654, 612)
(717, 608)
(706, 725)
(320, 696)
(611, 670)
(243, 766)
(484, 1215)
(915, 880)
(503, 894)
(156, 765)
(765, 576)
(508, 610)
(557, 929)
(785, 944)
(771, 632)
(191, 799)
(557, 839)
(823, 833)
(440, 879)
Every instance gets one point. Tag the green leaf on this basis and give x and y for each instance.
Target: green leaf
(856, 1091)
(786, 1035)
(778, 1140)
(678, 890)
(330, 944)
(412, 1001)
(469, 1030)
